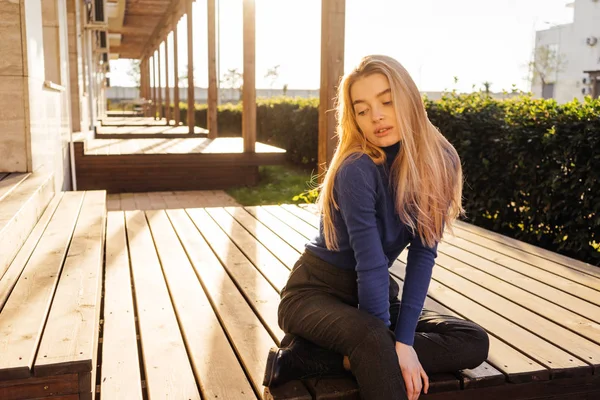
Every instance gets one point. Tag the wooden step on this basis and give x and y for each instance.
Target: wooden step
(20, 209)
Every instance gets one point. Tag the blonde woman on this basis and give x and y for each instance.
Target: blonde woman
(394, 181)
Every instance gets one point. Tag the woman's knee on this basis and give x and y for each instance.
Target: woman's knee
(479, 345)
(375, 341)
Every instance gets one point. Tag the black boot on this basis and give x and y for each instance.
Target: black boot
(301, 359)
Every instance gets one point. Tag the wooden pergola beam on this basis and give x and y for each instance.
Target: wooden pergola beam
(333, 14)
(249, 89)
(212, 72)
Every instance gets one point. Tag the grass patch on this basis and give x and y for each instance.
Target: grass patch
(278, 184)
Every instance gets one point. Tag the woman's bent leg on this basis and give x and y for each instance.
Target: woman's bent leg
(445, 343)
(370, 346)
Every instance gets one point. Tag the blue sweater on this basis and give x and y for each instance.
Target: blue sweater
(370, 238)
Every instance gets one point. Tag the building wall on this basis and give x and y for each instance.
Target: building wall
(13, 83)
(35, 96)
(570, 41)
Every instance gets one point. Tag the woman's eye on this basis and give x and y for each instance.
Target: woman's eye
(387, 103)
(363, 112)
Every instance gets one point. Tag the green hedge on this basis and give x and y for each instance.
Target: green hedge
(532, 166)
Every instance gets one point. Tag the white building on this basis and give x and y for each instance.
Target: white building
(578, 46)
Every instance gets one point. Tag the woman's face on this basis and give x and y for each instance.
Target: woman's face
(374, 111)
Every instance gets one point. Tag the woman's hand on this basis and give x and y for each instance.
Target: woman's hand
(412, 371)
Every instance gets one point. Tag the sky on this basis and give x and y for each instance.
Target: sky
(436, 40)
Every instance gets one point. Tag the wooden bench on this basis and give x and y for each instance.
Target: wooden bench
(201, 313)
(50, 298)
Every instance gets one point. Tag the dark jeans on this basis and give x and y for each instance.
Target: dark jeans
(319, 303)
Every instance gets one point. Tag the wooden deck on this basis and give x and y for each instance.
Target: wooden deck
(201, 313)
(148, 165)
(50, 297)
(117, 147)
(144, 128)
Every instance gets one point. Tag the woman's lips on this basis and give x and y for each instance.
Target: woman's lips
(382, 131)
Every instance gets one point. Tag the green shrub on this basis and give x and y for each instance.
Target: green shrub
(532, 167)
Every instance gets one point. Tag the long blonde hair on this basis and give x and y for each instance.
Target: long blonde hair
(426, 174)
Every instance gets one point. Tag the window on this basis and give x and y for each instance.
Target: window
(51, 40)
(548, 90)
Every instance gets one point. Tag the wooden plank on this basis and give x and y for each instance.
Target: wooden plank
(585, 350)
(47, 387)
(299, 225)
(244, 328)
(10, 182)
(142, 201)
(3, 175)
(213, 359)
(483, 376)
(212, 100)
(24, 314)
(282, 250)
(167, 367)
(85, 382)
(70, 339)
(571, 270)
(543, 307)
(511, 244)
(262, 295)
(20, 212)
(10, 278)
(301, 213)
(560, 363)
(249, 89)
(269, 266)
(157, 201)
(128, 202)
(566, 300)
(585, 287)
(113, 202)
(120, 359)
(191, 114)
(581, 388)
(333, 13)
(295, 239)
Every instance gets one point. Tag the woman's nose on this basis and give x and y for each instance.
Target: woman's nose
(376, 114)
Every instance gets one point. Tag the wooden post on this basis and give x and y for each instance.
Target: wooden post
(148, 88)
(249, 89)
(332, 68)
(154, 88)
(160, 102)
(176, 82)
(143, 79)
(212, 72)
(167, 89)
(191, 121)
